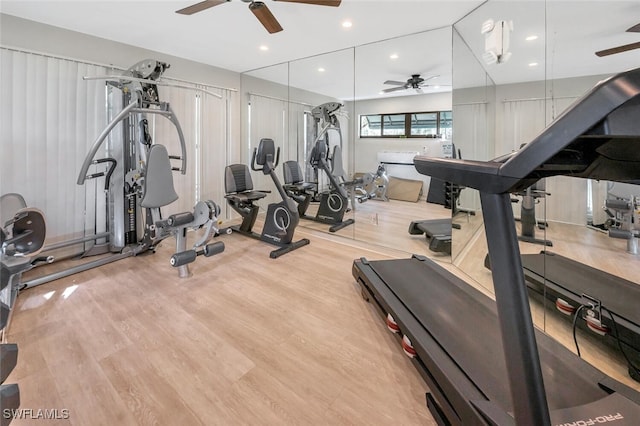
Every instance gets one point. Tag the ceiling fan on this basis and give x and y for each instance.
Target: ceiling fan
(415, 82)
(259, 9)
(623, 48)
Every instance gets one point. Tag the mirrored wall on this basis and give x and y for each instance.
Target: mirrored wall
(326, 97)
(582, 226)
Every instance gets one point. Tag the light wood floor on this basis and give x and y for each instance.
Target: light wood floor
(386, 224)
(246, 340)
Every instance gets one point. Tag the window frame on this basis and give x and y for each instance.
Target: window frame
(407, 125)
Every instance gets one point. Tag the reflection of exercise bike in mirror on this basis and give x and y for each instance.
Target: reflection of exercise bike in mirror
(282, 217)
(334, 203)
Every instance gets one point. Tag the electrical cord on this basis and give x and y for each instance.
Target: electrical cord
(619, 343)
(575, 322)
(631, 365)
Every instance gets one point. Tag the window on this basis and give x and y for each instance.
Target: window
(393, 125)
(435, 124)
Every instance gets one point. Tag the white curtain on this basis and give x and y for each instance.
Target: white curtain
(470, 138)
(49, 116)
(214, 143)
(522, 121)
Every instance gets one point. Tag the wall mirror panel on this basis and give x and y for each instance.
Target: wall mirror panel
(591, 222)
(321, 116)
(410, 74)
(264, 114)
(578, 237)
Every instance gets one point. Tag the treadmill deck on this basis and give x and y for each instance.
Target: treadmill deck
(462, 326)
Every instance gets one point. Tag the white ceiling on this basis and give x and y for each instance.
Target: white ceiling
(228, 36)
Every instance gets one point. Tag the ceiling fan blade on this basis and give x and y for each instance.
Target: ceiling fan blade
(429, 78)
(401, 83)
(199, 7)
(266, 18)
(634, 29)
(393, 89)
(334, 3)
(618, 49)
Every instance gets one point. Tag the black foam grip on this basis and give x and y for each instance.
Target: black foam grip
(4, 315)
(9, 400)
(179, 219)
(213, 248)
(8, 360)
(183, 258)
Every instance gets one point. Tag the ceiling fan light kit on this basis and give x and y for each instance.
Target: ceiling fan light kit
(259, 9)
(414, 82)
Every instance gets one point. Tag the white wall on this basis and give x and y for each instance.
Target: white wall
(366, 149)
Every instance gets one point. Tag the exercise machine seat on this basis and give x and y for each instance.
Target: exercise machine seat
(239, 185)
(10, 203)
(293, 176)
(158, 188)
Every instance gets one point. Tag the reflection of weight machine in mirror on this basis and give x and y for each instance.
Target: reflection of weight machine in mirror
(138, 182)
(376, 189)
(334, 202)
(624, 219)
(282, 218)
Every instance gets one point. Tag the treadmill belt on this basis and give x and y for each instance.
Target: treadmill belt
(464, 322)
(616, 294)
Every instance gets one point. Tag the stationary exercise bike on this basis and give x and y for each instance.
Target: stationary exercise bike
(282, 217)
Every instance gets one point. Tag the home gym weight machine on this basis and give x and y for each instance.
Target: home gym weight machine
(282, 217)
(138, 182)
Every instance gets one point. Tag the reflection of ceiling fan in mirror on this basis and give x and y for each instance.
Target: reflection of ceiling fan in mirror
(259, 9)
(415, 82)
(623, 48)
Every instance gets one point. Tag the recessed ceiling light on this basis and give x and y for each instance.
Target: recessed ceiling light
(347, 24)
(320, 69)
(533, 64)
(531, 38)
(264, 48)
(394, 56)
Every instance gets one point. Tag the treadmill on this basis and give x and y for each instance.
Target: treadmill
(483, 360)
(571, 284)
